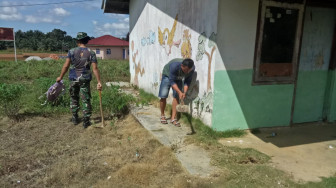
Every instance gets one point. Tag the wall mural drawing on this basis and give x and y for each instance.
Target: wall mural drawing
(201, 51)
(156, 80)
(166, 38)
(137, 67)
(148, 40)
(186, 49)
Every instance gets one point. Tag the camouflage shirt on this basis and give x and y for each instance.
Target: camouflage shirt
(80, 65)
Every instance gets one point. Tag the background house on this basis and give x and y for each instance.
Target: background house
(109, 47)
(259, 63)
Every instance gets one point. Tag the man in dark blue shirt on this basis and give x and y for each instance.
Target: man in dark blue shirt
(177, 74)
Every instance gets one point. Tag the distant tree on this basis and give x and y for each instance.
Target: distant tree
(56, 40)
(127, 37)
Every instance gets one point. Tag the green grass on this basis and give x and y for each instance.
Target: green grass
(146, 98)
(38, 76)
(206, 134)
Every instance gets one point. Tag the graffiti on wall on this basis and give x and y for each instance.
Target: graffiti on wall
(202, 105)
(148, 40)
(201, 51)
(137, 66)
(166, 38)
(186, 49)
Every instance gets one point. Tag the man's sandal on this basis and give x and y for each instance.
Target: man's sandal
(176, 123)
(163, 120)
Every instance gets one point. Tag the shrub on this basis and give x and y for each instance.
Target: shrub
(43, 84)
(114, 102)
(10, 99)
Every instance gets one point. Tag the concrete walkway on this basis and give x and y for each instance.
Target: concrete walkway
(193, 158)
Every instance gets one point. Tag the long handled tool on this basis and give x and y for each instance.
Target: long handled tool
(101, 109)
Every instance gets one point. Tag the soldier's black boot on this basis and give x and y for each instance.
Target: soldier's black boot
(86, 122)
(75, 119)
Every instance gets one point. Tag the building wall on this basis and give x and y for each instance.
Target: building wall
(237, 103)
(220, 37)
(116, 52)
(164, 30)
(315, 81)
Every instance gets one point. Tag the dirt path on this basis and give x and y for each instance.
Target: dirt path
(51, 152)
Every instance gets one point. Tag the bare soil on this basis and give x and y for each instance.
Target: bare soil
(51, 152)
(305, 152)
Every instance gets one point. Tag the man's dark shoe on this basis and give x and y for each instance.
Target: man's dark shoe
(86, 122)
(75, 119)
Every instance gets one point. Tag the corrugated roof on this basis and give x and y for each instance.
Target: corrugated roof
(116, 6)
(107, 40)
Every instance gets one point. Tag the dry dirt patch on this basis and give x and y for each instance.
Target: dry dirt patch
(51, 152)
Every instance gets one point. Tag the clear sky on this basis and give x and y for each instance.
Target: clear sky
(73, 17)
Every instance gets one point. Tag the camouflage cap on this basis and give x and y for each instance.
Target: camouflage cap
(82, 35)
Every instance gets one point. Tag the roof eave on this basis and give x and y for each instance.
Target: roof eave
(115, 6)
(97, 45)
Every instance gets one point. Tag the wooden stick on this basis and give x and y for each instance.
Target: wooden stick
(101, 109)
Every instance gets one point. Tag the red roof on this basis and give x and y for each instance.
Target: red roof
(107, 40)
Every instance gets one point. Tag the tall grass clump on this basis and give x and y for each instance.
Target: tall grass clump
(146, 98)
(10, 99)
(114, 102)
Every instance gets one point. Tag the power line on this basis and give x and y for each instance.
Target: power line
(44, 4)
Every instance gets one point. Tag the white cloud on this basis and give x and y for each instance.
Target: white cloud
(126, 20)
(61, 12)
(9, 13)
(39, 19)
(117, 26)
(114, 29)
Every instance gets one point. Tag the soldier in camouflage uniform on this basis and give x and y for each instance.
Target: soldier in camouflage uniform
(79, 60)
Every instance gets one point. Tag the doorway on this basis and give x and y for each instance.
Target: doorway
(312, 82)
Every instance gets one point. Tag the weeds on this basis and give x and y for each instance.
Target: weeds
(10, 99)
(37, 76)
(115, 103)
(146, 98)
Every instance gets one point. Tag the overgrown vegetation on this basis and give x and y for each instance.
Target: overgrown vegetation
(37, 76)
(115, 103)
(10, 99)
(147, 98)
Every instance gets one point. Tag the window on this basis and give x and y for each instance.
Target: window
(278, 41)
(97, 51)
(108, 51)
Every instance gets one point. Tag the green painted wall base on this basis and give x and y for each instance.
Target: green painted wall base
(310, 96)
(239, 105)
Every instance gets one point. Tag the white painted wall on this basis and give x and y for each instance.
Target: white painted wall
(237, 25)
(148, 56)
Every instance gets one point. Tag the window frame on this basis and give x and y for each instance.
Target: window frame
(108, 49)
(97, 50)
(259, 80)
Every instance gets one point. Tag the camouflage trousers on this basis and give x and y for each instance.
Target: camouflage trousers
(80, 90)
